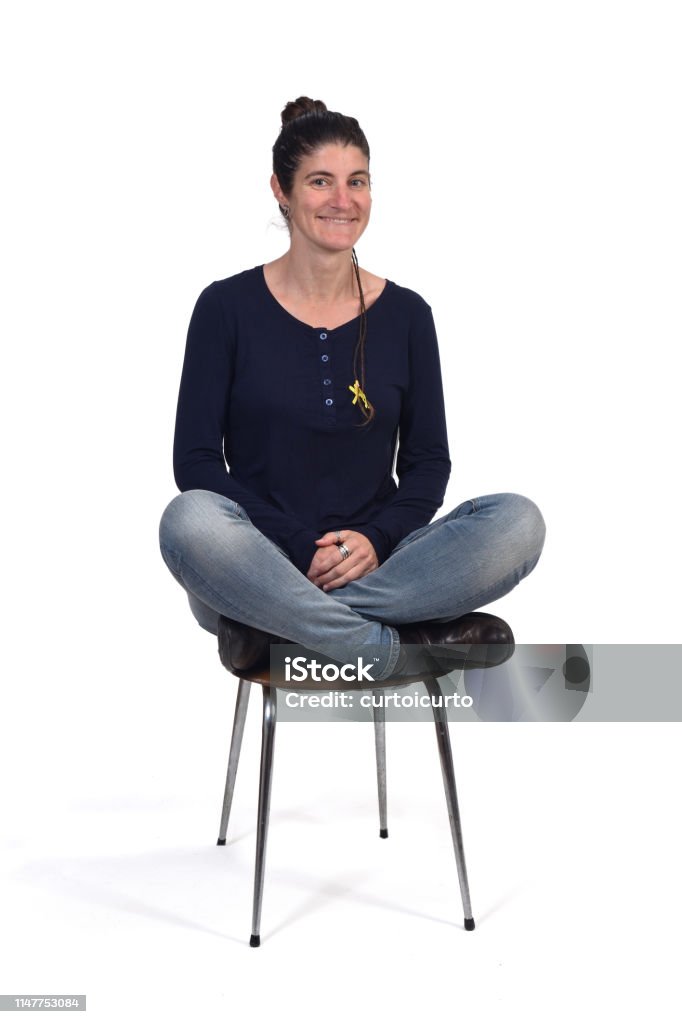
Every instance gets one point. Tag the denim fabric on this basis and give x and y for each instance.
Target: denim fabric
(461, 561)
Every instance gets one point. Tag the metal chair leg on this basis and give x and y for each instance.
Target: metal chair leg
(233, 760)
(380, 745)
(266, 757)
(447, 767)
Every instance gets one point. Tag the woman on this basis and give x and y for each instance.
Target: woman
(308, 371)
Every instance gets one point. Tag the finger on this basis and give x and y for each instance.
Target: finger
(332, 561)
(332, 572)
(333, 537)
(343, 572)
(347, 577)
(324, 564)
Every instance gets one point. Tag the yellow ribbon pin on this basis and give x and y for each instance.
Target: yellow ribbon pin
(359, 393)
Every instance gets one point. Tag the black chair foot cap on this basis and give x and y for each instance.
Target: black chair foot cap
(383, 833)
(254, 940)
(221, 842)
(469, 924)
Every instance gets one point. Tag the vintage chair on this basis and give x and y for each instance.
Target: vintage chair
(478, 656)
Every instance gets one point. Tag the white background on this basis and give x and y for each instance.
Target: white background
(526, 162)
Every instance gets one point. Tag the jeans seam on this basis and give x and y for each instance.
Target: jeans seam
(169, 555)
(393, 653)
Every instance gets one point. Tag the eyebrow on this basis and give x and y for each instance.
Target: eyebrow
(328, 174)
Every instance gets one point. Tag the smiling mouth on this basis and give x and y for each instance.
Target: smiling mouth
(339, 220)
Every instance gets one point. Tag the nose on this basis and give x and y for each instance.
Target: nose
(341, 198)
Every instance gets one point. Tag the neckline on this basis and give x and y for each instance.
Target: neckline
(317, 327)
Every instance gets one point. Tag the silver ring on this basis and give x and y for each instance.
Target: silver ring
(344, 551)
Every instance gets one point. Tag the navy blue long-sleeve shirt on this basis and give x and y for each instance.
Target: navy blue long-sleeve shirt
(269, 395)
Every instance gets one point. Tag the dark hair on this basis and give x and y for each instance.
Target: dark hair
(307, 125)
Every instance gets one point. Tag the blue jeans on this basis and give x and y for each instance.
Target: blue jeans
(467, 558)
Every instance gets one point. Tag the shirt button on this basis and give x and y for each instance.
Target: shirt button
(323, 336)
(325, 358)
(329, 401)
(326, 380)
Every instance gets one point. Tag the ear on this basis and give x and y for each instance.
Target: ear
(277, 190)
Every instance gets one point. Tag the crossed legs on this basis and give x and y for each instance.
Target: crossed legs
(469, 557)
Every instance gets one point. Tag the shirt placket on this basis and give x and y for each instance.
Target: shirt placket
(326, 370)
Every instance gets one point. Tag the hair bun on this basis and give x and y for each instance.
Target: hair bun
(299, 107)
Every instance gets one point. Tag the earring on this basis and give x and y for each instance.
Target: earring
(285, 211)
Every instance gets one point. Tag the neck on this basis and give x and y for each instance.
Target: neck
(318, 276)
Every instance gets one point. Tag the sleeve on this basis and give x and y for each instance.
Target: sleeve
(203, 402)
(423, 461)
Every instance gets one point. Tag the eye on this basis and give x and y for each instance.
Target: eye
(319, 181)
(358, 182)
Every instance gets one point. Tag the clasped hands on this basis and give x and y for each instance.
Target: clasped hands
(329, 570)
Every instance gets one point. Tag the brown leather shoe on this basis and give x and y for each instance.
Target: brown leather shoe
(475, 640)
(243, 647)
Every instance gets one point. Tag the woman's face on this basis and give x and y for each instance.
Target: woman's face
(330, 199)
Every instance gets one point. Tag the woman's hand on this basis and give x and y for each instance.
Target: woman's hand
(329, 569)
